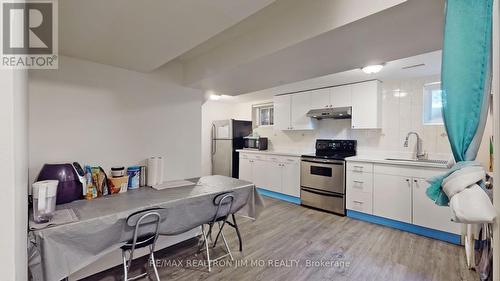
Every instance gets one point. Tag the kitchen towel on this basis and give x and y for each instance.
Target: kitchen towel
(155, 171)
(152, 171)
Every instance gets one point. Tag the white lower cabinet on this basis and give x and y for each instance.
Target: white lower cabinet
(392, 197)
(245, 169)
(275, 173)
(428, 214)
(291, 177)
(398, 193)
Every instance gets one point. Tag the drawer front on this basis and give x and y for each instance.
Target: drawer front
(321, 200)
(360, 167)
(274, 158)
(291, 160)
(243, 155)
(362, 182)
(359, 201)
(255, 156)
(407, 171)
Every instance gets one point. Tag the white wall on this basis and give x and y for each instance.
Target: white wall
(14, 174)
(102, 115)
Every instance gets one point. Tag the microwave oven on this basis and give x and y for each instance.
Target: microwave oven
(256, 143)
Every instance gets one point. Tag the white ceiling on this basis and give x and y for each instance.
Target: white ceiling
(425, 65)
(144, 34)
(411, 28)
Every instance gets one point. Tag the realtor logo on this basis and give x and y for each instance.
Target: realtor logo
(29, 34)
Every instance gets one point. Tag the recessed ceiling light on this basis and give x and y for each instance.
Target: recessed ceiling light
(215, 97)
(400, 94)
(370, 69)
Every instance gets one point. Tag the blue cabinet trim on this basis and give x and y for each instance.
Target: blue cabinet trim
(280, 196)
(420, 230)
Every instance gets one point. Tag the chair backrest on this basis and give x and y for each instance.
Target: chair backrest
(224, 203)
(143, 220)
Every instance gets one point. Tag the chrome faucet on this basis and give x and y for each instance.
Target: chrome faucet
(420, 154)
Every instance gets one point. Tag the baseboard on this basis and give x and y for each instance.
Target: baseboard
(420, 230)
(279, 196)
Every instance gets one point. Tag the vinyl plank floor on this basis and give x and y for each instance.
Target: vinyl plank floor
(291, 242)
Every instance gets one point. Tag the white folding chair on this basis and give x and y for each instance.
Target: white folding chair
(224, 203)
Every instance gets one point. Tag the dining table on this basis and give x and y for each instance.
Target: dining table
(57, 251)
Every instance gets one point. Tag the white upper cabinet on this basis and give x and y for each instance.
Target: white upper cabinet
(331, 97)
(366, 105)
(282, 107)
(341, 96)
(301, 104)
(321, 98)
(365, 99)
(290, 112)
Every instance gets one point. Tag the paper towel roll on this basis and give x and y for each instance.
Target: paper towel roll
(161, 170)
(152, 178)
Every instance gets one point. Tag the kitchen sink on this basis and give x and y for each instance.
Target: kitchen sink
(433, 161)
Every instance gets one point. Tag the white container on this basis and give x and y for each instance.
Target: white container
(117, 172)
(44, 200)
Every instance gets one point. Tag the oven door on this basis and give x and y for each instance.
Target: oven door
(326, 175)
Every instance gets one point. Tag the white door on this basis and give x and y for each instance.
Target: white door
(291, 177)
(246, 169)
(301, 104)
(392, 197)
(320, 98)
(260, 173)
(428, 214)
(273, 174)
(341, 96)
(365, 105)
(282, 106)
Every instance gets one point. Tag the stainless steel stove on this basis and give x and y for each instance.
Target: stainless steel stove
(322, 175)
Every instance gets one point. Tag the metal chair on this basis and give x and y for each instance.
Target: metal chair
(238, 234)
(224, 203)
(143, 222)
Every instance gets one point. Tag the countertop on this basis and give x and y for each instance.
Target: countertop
(383, 160)
(272, 152)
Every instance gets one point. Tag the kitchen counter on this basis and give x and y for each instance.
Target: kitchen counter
(383, 160)
(272, 152)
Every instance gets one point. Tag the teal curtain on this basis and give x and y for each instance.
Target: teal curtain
(465, 82)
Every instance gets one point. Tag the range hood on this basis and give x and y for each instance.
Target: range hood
(332, 113)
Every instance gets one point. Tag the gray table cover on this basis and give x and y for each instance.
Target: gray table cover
(57, 252)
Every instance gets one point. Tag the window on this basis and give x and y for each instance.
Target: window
(432, 104)
(263, 114)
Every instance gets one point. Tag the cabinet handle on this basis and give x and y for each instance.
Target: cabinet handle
(358, 168)
(358, 181)
(415, 181)
(358, 202)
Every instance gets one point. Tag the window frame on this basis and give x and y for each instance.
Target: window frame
(427, 118)
(257, 112)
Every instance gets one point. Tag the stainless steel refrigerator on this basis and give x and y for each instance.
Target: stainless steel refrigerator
(227, 136)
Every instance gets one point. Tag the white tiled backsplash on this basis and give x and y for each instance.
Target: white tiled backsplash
(400, 114)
